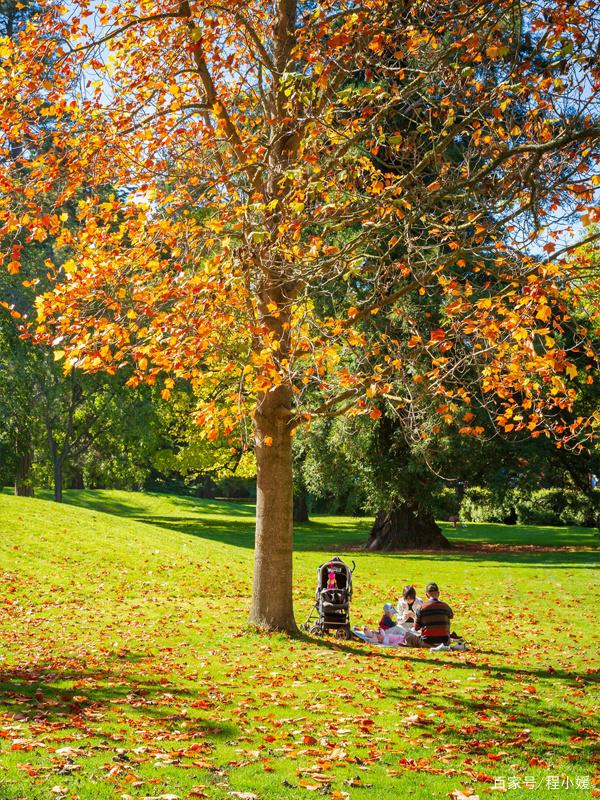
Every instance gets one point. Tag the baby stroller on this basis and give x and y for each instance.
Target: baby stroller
(331, 611)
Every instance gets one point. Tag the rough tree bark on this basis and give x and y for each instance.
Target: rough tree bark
(272, 606)
(272, 593)
(406, 527)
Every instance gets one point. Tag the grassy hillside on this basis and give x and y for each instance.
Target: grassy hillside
(234, 523)
(127, 669)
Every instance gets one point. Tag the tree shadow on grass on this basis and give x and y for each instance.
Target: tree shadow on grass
(482, 726)
(324, 537)
(133, 504)
(233, 523)
(554, 559)
(528, 712)
(69, 694)
(456, 660)
(310, 537)
(482, 534)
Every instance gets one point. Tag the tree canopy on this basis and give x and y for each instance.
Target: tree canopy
(284, 175)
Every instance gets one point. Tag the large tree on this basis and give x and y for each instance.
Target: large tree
(269, 212)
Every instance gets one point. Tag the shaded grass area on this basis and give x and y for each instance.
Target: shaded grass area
(233, 523)
(127, 669)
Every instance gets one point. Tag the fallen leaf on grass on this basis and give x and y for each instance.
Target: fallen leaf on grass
(354, 782)
(69, 752)
(243, 795)
(162, 797)
(537, 762)
(466, 794)
(314, 787)
(415, 719)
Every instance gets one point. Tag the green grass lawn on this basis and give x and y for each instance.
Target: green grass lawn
(127, 669)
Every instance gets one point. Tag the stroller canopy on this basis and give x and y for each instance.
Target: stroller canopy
(342, 572)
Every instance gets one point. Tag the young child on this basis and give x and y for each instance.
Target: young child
(407, 607)
(380, 637)
(386, 623)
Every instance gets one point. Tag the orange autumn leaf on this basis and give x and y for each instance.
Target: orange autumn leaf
(274, 237)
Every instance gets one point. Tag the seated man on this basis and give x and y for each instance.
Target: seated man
(432, 623)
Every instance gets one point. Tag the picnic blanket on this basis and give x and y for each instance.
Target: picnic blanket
(389, 639)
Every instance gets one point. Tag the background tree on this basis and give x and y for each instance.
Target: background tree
(16, 411)
(258, 234)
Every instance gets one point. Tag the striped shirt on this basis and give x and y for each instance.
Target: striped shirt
(433, 620)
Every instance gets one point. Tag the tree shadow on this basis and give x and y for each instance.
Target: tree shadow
(482, 726)
(67, 693)
(324, 537)
(475, 534)
(310, 537)
(132, 504)
(544, 718)
(232, 523)
(546, 559)
(455, 659)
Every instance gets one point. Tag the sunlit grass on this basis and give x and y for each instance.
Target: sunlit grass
(124, 638)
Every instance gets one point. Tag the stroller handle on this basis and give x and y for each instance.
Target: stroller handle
(353, 566)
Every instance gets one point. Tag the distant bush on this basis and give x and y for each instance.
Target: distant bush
(557, 507)
(482, 505)
(444, 503)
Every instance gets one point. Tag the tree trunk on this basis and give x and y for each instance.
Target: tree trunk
(301, 506)
(406, 527)
(272, 590)
(58, 480)
(23, 484)
(76, 479)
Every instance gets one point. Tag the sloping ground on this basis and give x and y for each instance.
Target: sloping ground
(234, 523)
(128, 671)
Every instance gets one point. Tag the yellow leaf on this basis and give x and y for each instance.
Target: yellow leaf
(571, 370)
(544, 313)
(69, 266)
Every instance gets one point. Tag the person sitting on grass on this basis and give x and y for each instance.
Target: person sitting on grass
(386, 623)
(408, 607)
(432, 622)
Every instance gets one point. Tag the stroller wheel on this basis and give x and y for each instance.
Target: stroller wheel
(316, 630)
(343, 633)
